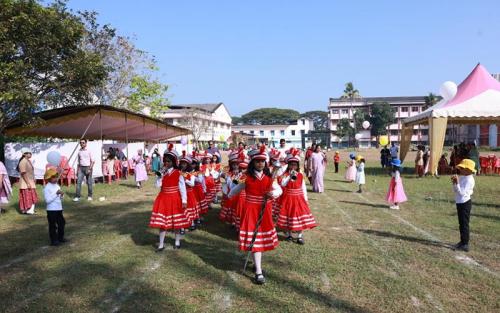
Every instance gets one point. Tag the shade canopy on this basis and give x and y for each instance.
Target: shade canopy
(97, 122)
(477, 101)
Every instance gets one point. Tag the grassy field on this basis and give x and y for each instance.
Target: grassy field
(362, 258)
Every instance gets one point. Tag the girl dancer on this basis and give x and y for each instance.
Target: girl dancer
(396, 193)
(192, 204)
(140, 172)
(227, 211)
(200, 190)
(206, 168)
(216, 170)
(350, 174)
(169, 208)
(295, 214)
(260, 188)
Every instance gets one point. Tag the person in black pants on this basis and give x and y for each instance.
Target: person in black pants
(53, 197)
(463, 186)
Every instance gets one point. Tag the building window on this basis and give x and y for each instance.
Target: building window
(282, 133)
(394, 132)
(261, 132)
(252, 132)
(414, 109)
(303, 122)
(404, 109)
(272, 132)
(293, 132)
(344, 111)
(424, 132)
(335, 111)
(415, 132)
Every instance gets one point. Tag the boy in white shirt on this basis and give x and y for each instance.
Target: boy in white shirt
(463, 186)
(53, 197)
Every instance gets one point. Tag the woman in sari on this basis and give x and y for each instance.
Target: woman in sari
(317, 169)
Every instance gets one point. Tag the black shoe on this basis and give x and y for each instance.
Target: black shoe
(464, 248)
(160, 249)
(2, 211)
(458, 246)
(63, 240)
(192, 228)
(300, 241)
(260, 279)
(176, 247)
(289, 238)
(182, 231)
(198, 222)
(359, 191)
(55, 243)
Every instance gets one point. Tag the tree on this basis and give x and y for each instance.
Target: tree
(382, 116)
(350, 92)
(269, 116)
(430, 100)
(344, 129)
(43, 62)
(132, 82)
(358, 118)
(195, 120)
(235, 120)
(319, 118)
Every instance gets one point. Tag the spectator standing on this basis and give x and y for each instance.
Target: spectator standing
(84, 170)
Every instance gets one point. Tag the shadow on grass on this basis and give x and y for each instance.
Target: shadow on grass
(406, 238)
(374, 205)
(339, 190)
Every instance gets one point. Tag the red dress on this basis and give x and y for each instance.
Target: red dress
(192, 210)
(218, 183)
(295, 214)
(266, 239)
(202, 207)
(209, 183)
(227, 210)
(168, 213)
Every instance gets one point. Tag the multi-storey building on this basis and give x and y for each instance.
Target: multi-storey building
(207, 121)
(340, 108)
(271, 134)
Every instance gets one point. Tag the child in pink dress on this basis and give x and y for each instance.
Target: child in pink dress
(396, 193)
(350, 174)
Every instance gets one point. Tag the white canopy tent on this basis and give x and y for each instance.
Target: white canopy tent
(477, 101)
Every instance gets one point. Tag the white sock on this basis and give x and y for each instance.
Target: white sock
(162, 238)
(300, 235)
(177, 239)
(31, 210)
(257, 260)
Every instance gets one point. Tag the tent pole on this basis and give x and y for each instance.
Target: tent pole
(102, 143)
(126, 134)
(83, 136)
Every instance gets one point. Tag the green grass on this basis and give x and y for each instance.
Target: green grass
(362, 258)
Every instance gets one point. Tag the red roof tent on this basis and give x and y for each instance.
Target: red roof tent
(96, 122)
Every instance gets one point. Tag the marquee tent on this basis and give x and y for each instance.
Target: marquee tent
(477, 101)
(97, 122)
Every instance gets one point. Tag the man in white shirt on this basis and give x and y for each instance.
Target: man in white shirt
(53, 197)
(394, 150)
(463, 186)
(85, 166)
(282, 149)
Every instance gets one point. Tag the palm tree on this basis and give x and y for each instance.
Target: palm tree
(430, 100)
(350, 93)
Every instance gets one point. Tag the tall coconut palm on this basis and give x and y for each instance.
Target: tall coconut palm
(350, 93)
(430, 100)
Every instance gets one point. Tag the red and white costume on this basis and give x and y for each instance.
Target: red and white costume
(228, 205)
(168, 213)
(255, 191)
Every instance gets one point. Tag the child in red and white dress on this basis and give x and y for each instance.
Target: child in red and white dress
(279, 169)
(216, 171)
(239, 199)
(200, 190)
(169, 208)
(260, 189)
(231, 173)
(192, 211)
(206, 169)
(295, 214)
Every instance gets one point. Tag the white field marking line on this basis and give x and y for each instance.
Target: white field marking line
(461, 257)
(396, 265)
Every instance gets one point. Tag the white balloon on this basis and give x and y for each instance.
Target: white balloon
(366, 124)
(358, 136)
(54, 158)
(448, 90)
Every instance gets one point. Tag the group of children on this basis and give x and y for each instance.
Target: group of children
(262, 191)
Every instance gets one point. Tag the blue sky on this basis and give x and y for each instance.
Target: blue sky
(297, 54)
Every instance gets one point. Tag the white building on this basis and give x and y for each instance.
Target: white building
(340, 108)
(207, 121)
(271, 134)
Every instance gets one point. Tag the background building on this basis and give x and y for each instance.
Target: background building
(404, 107)
(271, 134)
(210, 121)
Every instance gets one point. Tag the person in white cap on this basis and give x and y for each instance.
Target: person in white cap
(27, 188)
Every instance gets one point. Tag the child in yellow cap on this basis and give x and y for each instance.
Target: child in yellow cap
(53, 197)
(463, 186)
(360, 172)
